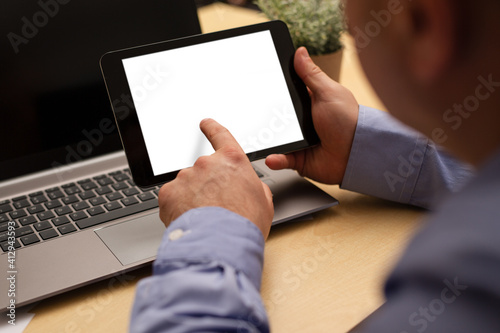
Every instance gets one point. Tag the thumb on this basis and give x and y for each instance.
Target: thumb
(309, 72)
(279, 162)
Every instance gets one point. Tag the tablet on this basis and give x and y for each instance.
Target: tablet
(243, 78)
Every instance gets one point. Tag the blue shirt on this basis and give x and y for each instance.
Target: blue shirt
(207, 273)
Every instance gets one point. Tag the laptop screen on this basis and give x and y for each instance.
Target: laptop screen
(53, 103)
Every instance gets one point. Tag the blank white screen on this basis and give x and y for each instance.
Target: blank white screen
(237, 81)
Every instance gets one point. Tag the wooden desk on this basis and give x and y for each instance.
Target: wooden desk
(323, 275)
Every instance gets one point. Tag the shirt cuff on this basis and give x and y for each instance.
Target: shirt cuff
(385, 158)
(210, 234)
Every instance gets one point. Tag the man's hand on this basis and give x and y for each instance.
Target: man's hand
(335, 115)
(224, 179)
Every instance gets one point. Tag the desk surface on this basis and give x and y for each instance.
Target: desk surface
(323, 275)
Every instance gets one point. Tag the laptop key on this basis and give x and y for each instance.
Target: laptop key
(78, 216)
(27, 220)
(95, 211)
(63, 210)
(45, 215)
(72, 190)
(146, 196)
(129, 201)
(70, 199)
(22, 197)
(42, 225)
(89, 186)
(66, 229)
(114, 196)
(38, 199)
(53, 204)
(97, 201)
(5, 208)
(48, 234)
(121, 177)
(104, 190)
(112, 206)
(130, 191)
(21, 204)
(5, 246)
(4, 226)
(30, 239)
(119, 186)
(23, 231)
(60, 220)
(80, 205)
(36, 209)
(87, 195)
(114, 214)
(105, 181)
(18, 214)
(56, 195)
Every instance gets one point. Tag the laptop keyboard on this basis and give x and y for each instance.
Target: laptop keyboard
(63, 210)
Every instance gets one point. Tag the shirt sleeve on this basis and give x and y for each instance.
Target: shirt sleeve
(206, 277)
(394, 162)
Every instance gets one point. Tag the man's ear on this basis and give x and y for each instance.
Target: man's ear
(432, 38)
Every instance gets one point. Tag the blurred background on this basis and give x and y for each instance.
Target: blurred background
(242, 3)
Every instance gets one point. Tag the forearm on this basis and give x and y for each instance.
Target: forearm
(392, 161)
(206, 277)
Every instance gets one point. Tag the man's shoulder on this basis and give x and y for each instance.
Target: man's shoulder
(461, 238)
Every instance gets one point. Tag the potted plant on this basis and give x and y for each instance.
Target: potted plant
(315, 24)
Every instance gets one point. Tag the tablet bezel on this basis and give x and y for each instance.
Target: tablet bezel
(127, 119)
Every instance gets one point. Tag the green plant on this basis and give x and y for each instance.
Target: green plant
(315, 24)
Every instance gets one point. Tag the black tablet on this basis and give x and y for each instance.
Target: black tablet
(243, 78)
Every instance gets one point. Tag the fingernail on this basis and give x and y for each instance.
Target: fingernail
(305, 53)
(204, 120)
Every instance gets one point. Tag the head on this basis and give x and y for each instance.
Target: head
(434, 63)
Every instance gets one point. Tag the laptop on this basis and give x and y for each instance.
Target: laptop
(66, 192)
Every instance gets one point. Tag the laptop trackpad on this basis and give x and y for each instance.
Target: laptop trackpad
(134, 240)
